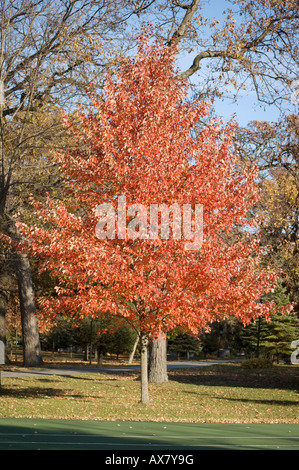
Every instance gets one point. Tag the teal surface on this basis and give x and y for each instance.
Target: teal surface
(48, 434)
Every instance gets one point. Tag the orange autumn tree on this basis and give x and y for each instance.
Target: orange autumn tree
(110, 245)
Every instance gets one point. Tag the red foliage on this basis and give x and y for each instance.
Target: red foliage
(142, 138)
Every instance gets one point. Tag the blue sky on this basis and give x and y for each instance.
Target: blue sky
(245, 109)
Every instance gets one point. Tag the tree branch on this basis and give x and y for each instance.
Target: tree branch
(250, 45)
(181, 31)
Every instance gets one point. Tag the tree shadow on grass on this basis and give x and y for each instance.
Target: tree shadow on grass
(53, 391)
(260, 401)
(32, 392)
(252, 400)
(282, 377)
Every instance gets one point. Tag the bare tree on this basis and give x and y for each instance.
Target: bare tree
(50, 51)
(274, 146)
(251, 46)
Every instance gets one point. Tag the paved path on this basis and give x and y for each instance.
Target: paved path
(104, 369)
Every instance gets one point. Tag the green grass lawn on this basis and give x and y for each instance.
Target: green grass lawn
(216, 394)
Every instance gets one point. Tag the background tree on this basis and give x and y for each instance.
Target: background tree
(184, 343)
(60, 335)
(272, 338)
(251, 337)
(274, 146)
(119, 340)
(281, 331)
(247, 45)
(50, 50)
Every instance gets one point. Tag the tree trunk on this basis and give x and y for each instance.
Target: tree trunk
(100, 354)
(31, 342)
(3, 309)
(158, 361)
(133, 350)
(144, 368)
(5, 284)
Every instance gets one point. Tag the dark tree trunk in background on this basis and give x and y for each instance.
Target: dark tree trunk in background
(5, 287)
(158, 361)
(134, 350)
(31, 342)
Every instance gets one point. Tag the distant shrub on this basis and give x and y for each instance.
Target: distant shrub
(257, 363)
